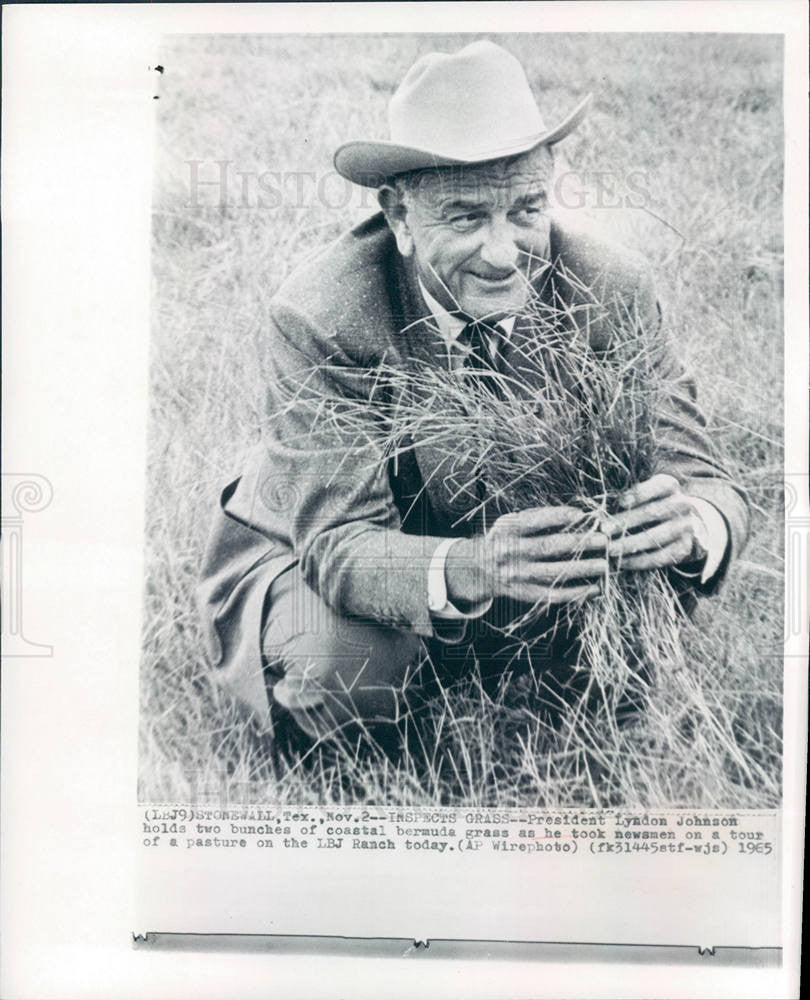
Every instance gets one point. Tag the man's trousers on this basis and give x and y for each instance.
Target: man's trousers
(339, 675)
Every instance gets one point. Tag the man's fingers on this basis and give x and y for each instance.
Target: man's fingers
(559, 595)
(573, 569)
(656, 537)
(648, 513)
(563, 543)
(670, 555)
(658, 486)
(536, 519)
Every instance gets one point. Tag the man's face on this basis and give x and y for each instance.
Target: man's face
(478, 234)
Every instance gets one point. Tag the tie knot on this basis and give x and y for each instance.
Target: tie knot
(484, 341)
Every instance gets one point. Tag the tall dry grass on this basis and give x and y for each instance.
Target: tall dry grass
(694, 121)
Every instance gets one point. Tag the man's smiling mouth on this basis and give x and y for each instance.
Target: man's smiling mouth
(495, 279)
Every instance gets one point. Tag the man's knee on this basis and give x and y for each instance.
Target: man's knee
(328, 686)
(330, 671)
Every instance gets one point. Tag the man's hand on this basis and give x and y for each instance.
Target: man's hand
(556, 554)
(542, 555)
(658, 527)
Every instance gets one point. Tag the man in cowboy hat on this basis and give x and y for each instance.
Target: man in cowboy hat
(331, 568)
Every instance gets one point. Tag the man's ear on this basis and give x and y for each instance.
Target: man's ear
(396, 215)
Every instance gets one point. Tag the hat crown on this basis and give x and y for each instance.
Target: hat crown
(451, 103)
(470, 107)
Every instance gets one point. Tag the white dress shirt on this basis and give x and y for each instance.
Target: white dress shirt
(711, 530)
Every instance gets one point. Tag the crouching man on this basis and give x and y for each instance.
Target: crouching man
(331, 568)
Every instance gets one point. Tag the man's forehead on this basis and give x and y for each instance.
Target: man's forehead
(515, 178)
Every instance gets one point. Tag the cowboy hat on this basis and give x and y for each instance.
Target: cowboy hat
(469, 107)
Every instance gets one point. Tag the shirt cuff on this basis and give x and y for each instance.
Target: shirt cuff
(714, 537)
(438, 602)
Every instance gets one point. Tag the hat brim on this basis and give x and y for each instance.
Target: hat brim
(369, 162)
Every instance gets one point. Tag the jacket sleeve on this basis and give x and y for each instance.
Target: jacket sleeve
(686, 450)
(324, 472)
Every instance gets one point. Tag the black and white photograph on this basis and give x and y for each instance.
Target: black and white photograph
(465, 429)
(406, 520)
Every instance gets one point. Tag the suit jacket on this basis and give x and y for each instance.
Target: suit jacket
(363, 528)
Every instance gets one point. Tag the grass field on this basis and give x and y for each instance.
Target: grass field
(686, 138)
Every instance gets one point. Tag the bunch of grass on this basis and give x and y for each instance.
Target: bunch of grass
(564, 422)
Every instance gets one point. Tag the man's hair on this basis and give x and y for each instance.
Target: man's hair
(406, 183)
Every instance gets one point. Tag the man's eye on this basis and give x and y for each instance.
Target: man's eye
(531, 213)
(467, 221)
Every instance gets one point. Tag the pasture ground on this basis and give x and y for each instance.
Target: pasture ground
(681, 157)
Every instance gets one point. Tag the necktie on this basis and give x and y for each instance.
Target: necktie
(484, 343)
(484, 358)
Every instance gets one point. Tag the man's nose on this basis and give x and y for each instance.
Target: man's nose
(499, 248)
